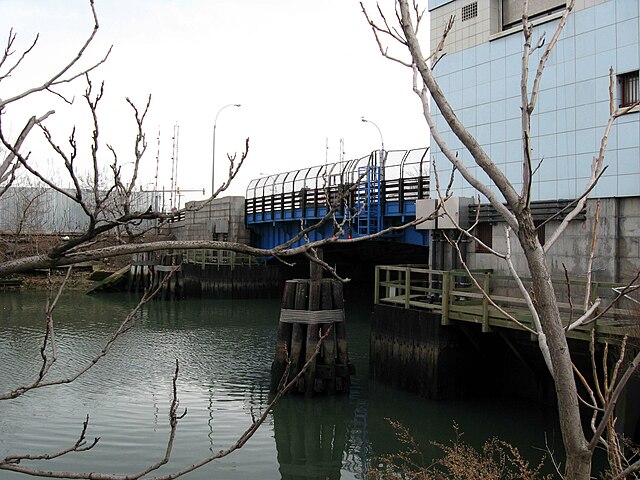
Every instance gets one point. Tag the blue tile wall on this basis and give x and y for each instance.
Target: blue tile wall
(572, 110)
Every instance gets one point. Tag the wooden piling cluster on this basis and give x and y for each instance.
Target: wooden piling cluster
(173, 288)
(309, 309)
(228, 281)
(147, 271)
(141, 271)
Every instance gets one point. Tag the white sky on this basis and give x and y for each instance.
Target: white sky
(304, 71)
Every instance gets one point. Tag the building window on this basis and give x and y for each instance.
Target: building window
(628, 88)
(470, 11)
(484, 233)
(512, 10)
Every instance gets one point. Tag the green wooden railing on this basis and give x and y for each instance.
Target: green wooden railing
(457, 297)
(215, 257)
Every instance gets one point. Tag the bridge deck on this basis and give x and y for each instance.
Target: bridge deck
(368, 194)
(456, 297)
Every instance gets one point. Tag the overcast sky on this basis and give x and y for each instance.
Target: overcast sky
(305, 71)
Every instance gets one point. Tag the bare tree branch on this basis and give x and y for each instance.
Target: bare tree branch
(124, 327)
(13, 465)
(59, 77)
(8, 51)
(80, 446)
(597, 168)
(613, 400)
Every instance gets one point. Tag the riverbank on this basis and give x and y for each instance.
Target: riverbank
(45, 279)
(42, 280)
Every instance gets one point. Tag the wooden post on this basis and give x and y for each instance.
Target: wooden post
(342, 364)
(387, 279)
(446, 283)
(313, 335)
(297, 332)
(376, 292)
(313, 330)
(329, 358)
(283, 339)
(330, 370)
(136, 271)
(407, 288)
(486, 285)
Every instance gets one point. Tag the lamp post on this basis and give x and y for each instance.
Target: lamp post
(213, 158)
(374, 124)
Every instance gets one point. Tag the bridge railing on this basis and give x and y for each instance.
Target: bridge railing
(456, 296)
(404, 174)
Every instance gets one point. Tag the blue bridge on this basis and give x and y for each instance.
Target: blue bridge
(368, 194)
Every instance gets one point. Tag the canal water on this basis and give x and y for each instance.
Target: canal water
(225, 349)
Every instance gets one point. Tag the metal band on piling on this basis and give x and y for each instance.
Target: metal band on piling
(311, 317)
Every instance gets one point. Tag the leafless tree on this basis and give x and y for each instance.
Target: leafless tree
(10, 62)
(516, 212)
(23, 215)
(49, 353)
(105, 197)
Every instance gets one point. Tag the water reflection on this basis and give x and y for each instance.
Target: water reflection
(311, 437)
(225, 350)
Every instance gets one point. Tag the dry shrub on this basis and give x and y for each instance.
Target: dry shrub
(496, 460)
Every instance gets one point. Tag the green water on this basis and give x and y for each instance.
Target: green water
(225, 349)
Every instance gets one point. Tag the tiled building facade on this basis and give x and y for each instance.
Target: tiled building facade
(480, 74)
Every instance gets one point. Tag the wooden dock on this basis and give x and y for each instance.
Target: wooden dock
(455, 297)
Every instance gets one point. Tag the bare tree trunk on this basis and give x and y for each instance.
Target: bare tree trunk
(578, 455)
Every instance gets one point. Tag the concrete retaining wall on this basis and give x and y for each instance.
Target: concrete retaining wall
(618, 244)
(220, 219)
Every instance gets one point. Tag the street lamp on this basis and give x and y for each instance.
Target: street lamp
(374, 124)
(213, 158)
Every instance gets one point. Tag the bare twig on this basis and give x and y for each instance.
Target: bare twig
(592, 254)
(173, 421)
(59, 77)
(125, 326)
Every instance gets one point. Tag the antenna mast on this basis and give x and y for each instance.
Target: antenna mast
(174, 200)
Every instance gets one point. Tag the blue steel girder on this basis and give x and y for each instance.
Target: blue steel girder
(368, 194)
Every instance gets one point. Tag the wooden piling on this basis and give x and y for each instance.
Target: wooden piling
(311, 308)
(313, 335)
(283, 339)
(342, 364)
(146, 272)
(298, 330)
(329, 345)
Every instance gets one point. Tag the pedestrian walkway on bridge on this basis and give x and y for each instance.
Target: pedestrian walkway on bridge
(371, 193)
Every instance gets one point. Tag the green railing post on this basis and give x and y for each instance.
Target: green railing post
(376, 292)
(446, 284)
(407, 288)
(486, 285)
